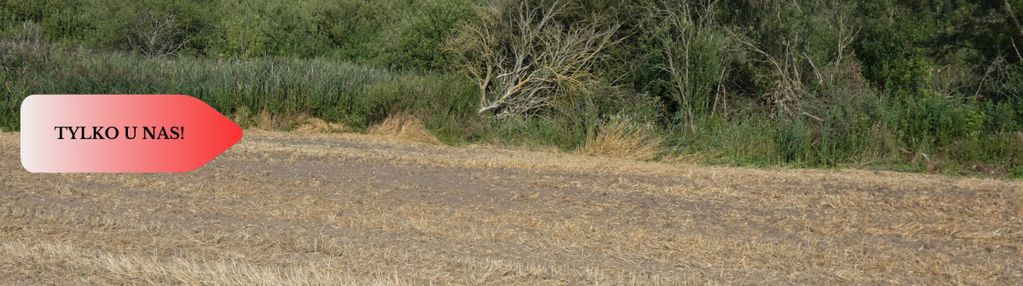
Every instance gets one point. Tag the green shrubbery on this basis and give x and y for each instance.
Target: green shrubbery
(909, 85)
(397, 34)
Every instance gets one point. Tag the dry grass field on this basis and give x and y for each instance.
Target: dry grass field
(286, 209)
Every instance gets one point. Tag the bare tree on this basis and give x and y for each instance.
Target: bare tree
(155, 35)
(522, 59)
(787, 72)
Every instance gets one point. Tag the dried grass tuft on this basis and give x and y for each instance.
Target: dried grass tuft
(312, 125)
(405, 127)
(623, 139)
(298, 123)
(266, 121)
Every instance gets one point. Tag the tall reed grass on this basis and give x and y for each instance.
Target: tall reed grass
(333, 90)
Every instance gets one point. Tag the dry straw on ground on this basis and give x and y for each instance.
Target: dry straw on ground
(312, 125)
(623, 139)
(299, 123)
(405, 127)
(172, 271)
(287, 209)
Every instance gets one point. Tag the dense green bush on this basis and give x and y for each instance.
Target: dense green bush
(397, 34)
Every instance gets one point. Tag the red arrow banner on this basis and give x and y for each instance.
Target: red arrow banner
(121, 133)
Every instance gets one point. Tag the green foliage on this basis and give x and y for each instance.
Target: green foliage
(417, 37)
(719, 140)
(936, 121)
(793, 141)
(57, 18)
(904, 85)
(397, 34)
(892, 49)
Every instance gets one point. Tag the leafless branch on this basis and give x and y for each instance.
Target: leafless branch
(1016, 49)
(536, 59)
(155, 35)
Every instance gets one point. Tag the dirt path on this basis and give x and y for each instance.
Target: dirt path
(352, 209)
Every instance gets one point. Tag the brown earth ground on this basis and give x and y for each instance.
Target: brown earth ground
(354, 209)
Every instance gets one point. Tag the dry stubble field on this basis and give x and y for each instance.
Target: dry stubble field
(354, 209)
